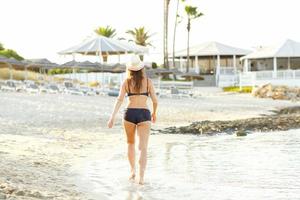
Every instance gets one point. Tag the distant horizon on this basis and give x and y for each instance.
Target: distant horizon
(43, 28)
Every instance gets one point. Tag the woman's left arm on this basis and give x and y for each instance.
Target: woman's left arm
(117, 105)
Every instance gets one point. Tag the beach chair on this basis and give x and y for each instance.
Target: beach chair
(32, 88)
(175, 93)
(53, 89)
(8, 85)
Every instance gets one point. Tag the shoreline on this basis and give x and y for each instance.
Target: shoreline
(282, 120)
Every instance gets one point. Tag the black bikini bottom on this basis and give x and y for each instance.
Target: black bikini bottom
(137, 115)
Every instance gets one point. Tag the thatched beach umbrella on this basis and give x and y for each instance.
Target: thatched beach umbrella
(10, 62)
(161, 72)
(75, 64)
(42, 64)
(80, 65)
(192, 75)
(175, 71)
(119, 68)
(103, 67)
(112, 69)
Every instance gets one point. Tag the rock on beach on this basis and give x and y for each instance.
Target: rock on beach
(284, 119)
(277, 92)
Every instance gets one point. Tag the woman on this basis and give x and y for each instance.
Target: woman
(137, 117)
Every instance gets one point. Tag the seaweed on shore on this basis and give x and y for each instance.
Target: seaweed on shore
(281, 120)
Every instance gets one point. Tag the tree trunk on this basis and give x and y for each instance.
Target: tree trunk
(174, 34)
(166, 13)
(188, 46)
(105, 58)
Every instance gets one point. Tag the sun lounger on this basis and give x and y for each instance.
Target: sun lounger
(8, 86)
(113, 92)
(52, 89)
(32, 88)
(88, 91)
(73, 91)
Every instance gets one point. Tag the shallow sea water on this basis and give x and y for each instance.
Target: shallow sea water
(258, 166)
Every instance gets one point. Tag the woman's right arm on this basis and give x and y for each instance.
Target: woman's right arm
(154, 101)
(117, 105)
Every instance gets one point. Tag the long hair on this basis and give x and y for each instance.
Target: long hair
(135, 78)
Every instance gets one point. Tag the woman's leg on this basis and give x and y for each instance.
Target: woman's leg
(143, 131)
(130, 133)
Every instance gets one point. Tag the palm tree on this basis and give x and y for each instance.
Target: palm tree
(106, 31)
(165, 45)
(192, 14)
(140, 37)
(175, 28)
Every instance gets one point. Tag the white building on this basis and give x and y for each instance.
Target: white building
(211, 59)
(278, 64)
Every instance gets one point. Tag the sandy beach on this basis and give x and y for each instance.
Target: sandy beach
(48, 140)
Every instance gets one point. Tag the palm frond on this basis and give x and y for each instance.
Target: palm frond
(140, 36)
(106, 31)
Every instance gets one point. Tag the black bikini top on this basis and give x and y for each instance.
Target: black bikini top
(131, 94)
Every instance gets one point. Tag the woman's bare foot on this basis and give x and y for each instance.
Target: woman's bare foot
(141, 181)
(141, 176)
(132, 175)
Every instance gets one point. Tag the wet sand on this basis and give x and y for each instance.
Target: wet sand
(47, 139)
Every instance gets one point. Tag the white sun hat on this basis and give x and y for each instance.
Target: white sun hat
(135, 63)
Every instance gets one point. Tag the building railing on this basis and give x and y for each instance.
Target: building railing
(280, 74)
(227, 71)
(263, 77)
(229, 78)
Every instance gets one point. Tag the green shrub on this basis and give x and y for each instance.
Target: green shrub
(166, 79)
(9, 53)
(154, 65)
(51, 71)
(58, 71)
(65, 71)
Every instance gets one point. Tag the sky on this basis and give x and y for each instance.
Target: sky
(41, 28)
